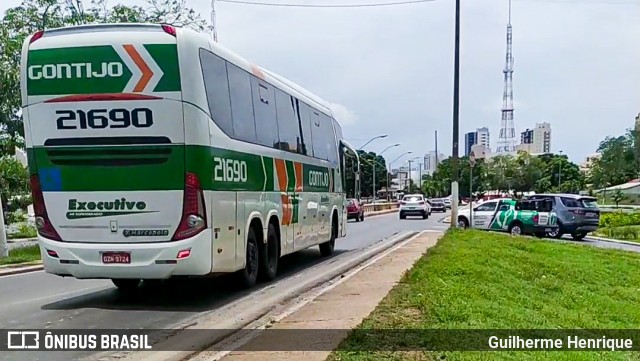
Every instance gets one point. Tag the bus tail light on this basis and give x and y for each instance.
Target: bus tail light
(37, 35)
(194, 216)
(43, 223)
(171, 30)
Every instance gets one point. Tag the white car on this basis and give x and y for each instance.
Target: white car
(414, 205)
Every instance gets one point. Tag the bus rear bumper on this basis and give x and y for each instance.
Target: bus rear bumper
(147, 260)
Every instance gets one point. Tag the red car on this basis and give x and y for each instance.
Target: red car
(355, 210)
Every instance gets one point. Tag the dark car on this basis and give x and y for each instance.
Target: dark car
(437, 205)
(577, 215)
(355, 210)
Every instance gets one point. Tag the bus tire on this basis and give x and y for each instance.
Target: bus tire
(248, 276)
(326, 248)
(126, 285)
(269, 255)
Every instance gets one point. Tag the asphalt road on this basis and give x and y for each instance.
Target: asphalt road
(41, 301)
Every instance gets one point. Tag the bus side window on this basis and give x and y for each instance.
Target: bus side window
(305, 124)
(319, 142)
(288, 127)
(214, 70)
(265, 112)
(244, 127)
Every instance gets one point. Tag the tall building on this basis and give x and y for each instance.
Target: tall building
(542, 138)
(483, 137)
(536, 140)
(470, 140)
(479, 137)
(526, 137)
(431, 162)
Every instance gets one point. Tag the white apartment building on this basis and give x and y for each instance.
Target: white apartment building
(431, 162)
(483, 137)
(586, 165)
(536, 140)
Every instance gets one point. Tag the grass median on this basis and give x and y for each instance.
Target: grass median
(481, 280)
(21, 255)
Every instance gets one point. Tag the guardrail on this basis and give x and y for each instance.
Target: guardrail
(369, 208)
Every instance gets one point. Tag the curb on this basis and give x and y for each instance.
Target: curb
(637, 244)
(20, 240)
(9, 271)
(193, 346)
(379, 213)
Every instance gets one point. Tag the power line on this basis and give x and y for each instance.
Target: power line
(326, 5)
(583, 2)
(408, 2)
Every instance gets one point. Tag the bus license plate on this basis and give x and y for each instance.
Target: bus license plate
(116, 257)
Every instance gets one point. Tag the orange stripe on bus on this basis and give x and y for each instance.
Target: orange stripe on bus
(281, 172)
(298, 170)
(147, 73)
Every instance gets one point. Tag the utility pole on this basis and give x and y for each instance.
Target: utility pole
(420, 176)
(374, 180)
(410, 176)
(436, 166)
(4, 247)
(472, 163)
(214, 29)
(456, 120)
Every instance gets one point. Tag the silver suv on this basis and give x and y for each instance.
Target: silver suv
(414, 205)
(577, 215)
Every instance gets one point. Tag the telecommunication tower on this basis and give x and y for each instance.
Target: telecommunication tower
(507, 137)
(214, 32)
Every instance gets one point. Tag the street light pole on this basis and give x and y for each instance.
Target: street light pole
(4, 247)
(410, 181)
(372, 139)
(374, 170)
(410, 170)
(456, 120)
(559, 171)
(390, 163)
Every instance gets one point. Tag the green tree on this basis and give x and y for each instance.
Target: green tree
(619, 161)
(33, 15)
(367, 162)
(14, 179)
(529, 170)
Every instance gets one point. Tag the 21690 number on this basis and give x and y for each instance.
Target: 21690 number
(104, 118)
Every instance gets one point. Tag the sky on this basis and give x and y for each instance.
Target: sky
(389, 70)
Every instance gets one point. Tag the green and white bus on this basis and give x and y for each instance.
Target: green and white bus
(156, 153)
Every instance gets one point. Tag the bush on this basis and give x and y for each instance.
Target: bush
(24, 231)
(16, 217)
(625, 232)
(619, 219)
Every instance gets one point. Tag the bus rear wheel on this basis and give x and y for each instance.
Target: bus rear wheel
(249, 274)
(126, 285)
(326, 248)
(269, 256)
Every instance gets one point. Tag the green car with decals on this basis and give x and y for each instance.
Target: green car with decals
(524, 217)
(513, 216)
